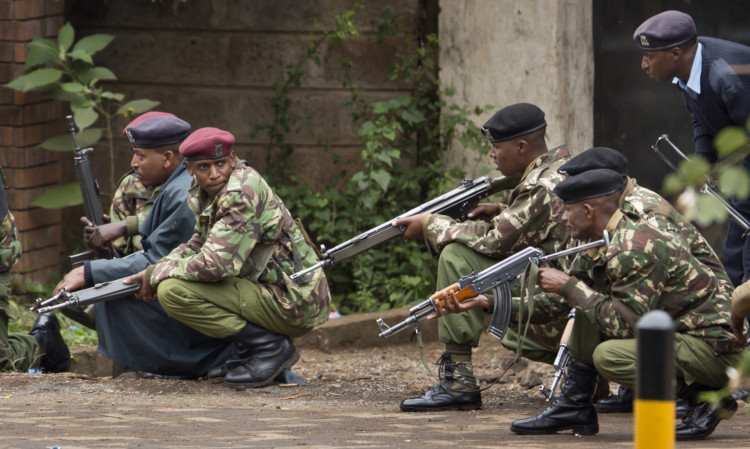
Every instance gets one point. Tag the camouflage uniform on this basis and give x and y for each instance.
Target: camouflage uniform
(531, 218)
(643, 269)
(640, 202)
(18, 352)
(549, 312)
(237, 266)
(130, 202)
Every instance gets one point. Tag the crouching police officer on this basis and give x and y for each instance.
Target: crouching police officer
(644, 268)
(233, 277)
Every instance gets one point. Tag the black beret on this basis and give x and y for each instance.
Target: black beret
(665, 30)
(514, 121)
(157, 132)
(593, 158)
(590, 184)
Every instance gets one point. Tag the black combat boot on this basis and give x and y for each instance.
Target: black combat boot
(240, 355)
(457, 389)
(573, 409)
(54, 351)
(622, 402)
(269, 354)
(702, 417)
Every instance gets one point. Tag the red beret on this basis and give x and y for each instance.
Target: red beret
(207, 143)
(145, 116)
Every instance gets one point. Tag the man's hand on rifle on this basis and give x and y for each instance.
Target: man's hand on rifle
(74, 280)
(146, 293)
(452, 305)
(413, 226)
(484, 211)
(97, 237)
(551, 280)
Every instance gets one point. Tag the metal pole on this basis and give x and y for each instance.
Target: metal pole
(654, 407)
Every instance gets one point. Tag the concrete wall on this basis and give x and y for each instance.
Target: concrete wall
(214, 63)
(500, 52)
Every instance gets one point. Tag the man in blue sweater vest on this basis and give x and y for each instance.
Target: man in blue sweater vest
(714, 78)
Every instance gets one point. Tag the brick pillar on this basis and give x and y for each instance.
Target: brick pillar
(26, 120)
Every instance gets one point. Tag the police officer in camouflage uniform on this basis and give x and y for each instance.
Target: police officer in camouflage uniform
(644, 268)
(140, 335)
(639, 202)
(532, 217)
(232, 278)
(43, 347)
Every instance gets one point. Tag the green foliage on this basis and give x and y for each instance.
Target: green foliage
(66, 71)
(403, 142)
(732, 181)
(21, 319)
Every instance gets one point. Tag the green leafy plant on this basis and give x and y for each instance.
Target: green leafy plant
(403, 142)
(733, 145)
(65, 71)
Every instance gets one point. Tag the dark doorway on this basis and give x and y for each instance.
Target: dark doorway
(631, 110)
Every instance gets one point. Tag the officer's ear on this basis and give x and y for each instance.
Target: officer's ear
(187, 166)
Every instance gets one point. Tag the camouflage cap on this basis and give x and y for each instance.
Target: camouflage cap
(665, 30)
(514, 121)
(145, 116)
(207, 143)
(157, 132)
(590, 184)
(593, 158)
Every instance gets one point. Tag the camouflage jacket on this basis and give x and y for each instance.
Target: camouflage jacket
(232, 233)
(641, 203)
(130, 202)
(645, 268)
(10, 245)
(533, 216)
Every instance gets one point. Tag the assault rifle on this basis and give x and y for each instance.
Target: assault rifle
(455, 204)
(499, 277)
(101, 292)
(563, 357)
(92, 205)
(707, 188)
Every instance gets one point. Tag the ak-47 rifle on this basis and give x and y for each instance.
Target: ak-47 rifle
(707, 188)
(455, 204)
(92, 205)
(563, 357)
(499, 277)
(101, 292)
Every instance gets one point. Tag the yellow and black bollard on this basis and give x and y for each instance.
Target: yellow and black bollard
(654, 407)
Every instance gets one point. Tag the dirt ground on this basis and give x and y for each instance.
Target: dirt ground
(351, 400)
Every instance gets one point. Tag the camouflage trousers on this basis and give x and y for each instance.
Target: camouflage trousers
(694, 359)
(221, 309)
(18, 352)
(540, 341)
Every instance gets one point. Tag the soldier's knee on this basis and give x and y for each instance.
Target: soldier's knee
(168, 295)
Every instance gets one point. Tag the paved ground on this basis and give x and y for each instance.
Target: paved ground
(350, 401)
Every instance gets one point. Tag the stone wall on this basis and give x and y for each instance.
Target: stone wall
(25, 121)
(500, 52)
(214, 63)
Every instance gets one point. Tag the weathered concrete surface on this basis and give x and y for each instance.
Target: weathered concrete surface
(500, 52)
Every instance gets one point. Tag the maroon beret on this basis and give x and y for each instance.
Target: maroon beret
(665, 30)
(145, 116)
(207, 143)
